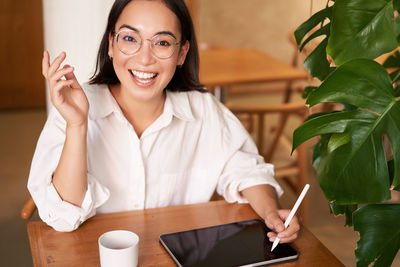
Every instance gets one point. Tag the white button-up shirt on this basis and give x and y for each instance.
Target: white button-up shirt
(195, 147)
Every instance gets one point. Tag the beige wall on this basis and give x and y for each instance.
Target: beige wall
(260, 24)
(79, 37)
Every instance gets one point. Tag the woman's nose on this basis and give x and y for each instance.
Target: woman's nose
(145, 55)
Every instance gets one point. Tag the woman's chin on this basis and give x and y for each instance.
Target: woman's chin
(146, 95)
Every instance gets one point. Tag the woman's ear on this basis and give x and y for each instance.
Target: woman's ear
(110, 45)
(182, 53)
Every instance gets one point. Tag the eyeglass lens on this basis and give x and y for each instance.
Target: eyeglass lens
(162, 45)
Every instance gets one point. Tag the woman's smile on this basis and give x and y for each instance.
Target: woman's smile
(142, 78)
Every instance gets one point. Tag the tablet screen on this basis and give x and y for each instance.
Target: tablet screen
(234, 244)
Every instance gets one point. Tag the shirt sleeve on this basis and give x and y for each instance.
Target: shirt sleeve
(61, 215)
(244, 166)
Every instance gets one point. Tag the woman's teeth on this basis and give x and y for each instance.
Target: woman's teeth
(143, 75)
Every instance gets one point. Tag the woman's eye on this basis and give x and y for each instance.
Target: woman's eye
(163, 43)
(128, 38)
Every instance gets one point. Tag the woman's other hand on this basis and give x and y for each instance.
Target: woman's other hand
(263, 199)
(66, 94)
(275, 221)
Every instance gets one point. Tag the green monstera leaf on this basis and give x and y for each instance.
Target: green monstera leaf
(344, 209)
(379, 236)
(353, 159)
(316, 63)
(307, 26)
(354, 164)
(396, 5)
(362, 29)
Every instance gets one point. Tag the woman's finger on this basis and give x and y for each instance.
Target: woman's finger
(286, 239)
(290, 233)
(45, 63)
(60, 85)
(55, 65)
(61, 73)
(55, 91)
(291, 230)
(71, 76)
(274, 222)
(289, 238)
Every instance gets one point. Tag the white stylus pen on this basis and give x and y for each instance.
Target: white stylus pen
(292, 212)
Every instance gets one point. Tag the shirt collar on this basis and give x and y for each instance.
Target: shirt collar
(178, 105)
(101, 101)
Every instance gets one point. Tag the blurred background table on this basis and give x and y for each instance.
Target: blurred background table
(80, 248)
(224, 66)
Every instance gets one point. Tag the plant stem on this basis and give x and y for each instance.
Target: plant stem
(396, 77)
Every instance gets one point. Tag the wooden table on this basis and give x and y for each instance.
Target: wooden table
(222, 67)
(79, 248)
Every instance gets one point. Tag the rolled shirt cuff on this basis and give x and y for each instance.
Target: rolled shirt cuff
(259, 175)
(64, 216)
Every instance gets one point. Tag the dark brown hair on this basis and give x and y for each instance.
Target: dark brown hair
(186, 77)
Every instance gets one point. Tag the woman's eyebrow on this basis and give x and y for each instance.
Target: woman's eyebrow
(136, 30)
(129, 27)
(166, 32)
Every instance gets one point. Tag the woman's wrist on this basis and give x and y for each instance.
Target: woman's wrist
(77, 127)
(263, 199)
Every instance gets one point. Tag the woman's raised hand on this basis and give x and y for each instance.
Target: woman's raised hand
(66, 94)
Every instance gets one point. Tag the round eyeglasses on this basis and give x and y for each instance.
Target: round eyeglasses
(162, 45)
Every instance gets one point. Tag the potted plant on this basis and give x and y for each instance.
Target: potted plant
(357, 158)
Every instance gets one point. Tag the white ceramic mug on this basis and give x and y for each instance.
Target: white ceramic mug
(119, 248)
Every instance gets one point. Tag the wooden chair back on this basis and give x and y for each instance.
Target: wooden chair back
(28, 209)
(291, 168)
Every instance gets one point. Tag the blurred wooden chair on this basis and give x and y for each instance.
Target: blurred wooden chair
(28, 209)
(273, 142)
(275, 145)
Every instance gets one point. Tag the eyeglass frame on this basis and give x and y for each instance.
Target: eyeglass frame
(116, 35)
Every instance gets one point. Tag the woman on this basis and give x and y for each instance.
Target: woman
(152, 137)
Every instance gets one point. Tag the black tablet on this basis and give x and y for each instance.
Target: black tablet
(235, 244)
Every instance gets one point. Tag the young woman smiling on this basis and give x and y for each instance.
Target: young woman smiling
(144, 133)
